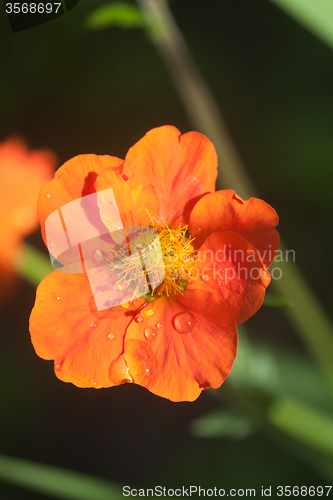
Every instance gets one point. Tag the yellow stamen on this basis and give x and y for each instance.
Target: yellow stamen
(178, 260)
(178, 256)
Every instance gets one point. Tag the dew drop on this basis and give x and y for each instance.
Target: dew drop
(142, 363)
(57, 366)
(93, 325)
(99, 255)
(53, 243)
(139, 319)
(158, 326)
(119, 371)
(184, 322)
(47, 195)
(205, 277)
(56, 296)
(110, 336)
(149, 333)
(150, 312)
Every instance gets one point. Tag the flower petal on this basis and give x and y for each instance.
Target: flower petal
(188, 344)
(22, 172)
(65, 326)
(76, 178)
(230, 267)
(136, 203)
(253, 219)
(180, 167)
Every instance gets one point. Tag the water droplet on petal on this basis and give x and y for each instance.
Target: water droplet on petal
(205, 277)
(139, 319)
(110, 336)
(56, 296)
(53, 243)
(99, 255)
(47, 195)
(158, 326)
(119, 371)
(149, 333)
(57, 366)
(149, 312)
(93, 325)
(142, 362)
(184, 322)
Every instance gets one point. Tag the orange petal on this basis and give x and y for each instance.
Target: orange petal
(76, 178)
(180, 167)
(135, 202)
(188, 344)
(230, 267)
(65, 326)
(22, 172)
(253, 219)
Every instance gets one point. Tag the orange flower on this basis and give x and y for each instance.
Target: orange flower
(180, 337)
(22, 173)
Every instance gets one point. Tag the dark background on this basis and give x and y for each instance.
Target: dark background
(78, 91)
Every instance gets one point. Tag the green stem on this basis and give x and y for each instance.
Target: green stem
(32, 264)
(59, 483)
(307, 315)
(197, 99)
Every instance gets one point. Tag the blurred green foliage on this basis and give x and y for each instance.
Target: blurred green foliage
(124, 15)
(56, 482)
(316, 16)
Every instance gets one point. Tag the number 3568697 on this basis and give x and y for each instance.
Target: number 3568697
(32, 8)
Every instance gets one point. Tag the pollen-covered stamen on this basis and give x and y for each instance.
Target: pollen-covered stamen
(161, 262)
(178, 256)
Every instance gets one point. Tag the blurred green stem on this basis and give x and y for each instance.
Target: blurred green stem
(32, 264)
(57, 482)
(306, 314)
(316, 16)
(197, 99)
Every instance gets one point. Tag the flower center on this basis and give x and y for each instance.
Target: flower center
(167, 262)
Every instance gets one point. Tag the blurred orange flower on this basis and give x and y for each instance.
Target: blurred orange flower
(181, 337)
(22, 173)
